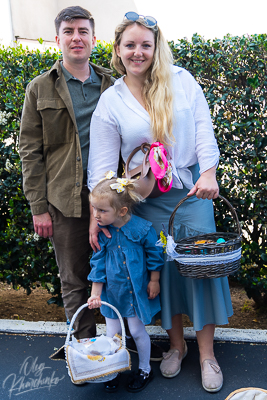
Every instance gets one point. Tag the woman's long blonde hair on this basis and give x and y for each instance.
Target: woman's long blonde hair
(157, 90)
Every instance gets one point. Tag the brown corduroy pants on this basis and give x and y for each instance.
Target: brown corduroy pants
(71, 244)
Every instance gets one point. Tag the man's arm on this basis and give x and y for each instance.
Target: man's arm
(33, 166)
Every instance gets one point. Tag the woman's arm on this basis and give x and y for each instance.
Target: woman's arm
(94, 230)
(103, 156)
(207, 150)
(206, 147)
(104, 152)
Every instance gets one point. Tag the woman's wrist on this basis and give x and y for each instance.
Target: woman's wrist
(210, 172)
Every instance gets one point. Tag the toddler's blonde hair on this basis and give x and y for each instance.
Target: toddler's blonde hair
(128, 198)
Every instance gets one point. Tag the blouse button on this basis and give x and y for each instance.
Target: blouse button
(131, 292)
(128, 277)
(131, 305)
(124, 262)
(119, 247)
(118, 230)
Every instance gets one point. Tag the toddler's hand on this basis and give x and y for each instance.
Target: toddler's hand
(153, 289)
(94, 302)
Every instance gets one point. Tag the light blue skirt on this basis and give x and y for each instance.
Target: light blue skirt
(205, 301)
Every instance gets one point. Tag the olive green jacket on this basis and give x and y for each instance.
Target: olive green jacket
(49, 146)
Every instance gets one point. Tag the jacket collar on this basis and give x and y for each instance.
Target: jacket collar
(62, 88)
(104, 73)
(98, 69)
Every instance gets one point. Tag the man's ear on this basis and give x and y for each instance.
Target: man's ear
(57, 41)
(123, 211)
(94, 41)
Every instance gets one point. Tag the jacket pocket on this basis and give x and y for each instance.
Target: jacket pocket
(56, 121)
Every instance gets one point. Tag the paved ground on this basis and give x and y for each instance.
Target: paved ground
(25, 358)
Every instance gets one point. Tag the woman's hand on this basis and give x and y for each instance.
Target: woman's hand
(93, 234)
(94, 231)
(94, 302)
(206, 186)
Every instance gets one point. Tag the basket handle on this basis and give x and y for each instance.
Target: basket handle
(233, 212)
(102, 303)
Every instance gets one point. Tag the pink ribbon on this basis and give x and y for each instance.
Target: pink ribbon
(160, 166)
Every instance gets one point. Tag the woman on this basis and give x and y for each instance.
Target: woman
(156, 101)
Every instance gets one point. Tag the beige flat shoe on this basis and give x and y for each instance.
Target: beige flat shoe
(212, 377)
(170, 366)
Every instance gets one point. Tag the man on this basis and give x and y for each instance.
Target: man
(54, 146)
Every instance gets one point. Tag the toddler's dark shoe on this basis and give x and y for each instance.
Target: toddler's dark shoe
(139, 381)
(112, 386)
(156, 351)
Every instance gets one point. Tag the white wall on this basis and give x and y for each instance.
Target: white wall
(208, 18)
(33, 19)
(6, 33)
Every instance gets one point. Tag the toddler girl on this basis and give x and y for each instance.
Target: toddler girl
(125, 272)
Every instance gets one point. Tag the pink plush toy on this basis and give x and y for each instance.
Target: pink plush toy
(160, 166)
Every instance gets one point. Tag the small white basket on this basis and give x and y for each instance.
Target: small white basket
(97, 368)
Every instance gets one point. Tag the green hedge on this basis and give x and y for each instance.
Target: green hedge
(232, 73)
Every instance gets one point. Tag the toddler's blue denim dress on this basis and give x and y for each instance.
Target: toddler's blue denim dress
(123, 264)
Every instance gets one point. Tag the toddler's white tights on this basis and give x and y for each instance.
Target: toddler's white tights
(140, 336)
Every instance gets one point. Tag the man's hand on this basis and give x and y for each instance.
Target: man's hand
(206, 186)
(43, 225)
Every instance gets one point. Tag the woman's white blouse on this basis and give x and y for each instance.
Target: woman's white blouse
(119, 122)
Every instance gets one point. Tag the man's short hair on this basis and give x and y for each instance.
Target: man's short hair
(72, 13)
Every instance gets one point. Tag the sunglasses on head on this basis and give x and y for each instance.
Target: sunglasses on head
(133, 16)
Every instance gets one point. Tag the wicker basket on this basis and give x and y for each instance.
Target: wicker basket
(208, 260)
